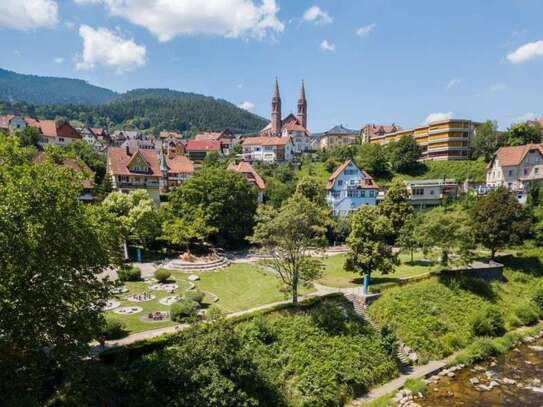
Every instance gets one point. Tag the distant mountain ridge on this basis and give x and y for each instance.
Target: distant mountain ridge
(44, 90)
(144, 109)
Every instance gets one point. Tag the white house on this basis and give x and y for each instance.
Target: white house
(431, 192)
(267, 149)
(349, 187)
(516, 167)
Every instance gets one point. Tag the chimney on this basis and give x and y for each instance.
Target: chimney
(128, 149)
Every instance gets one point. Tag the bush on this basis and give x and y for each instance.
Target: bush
(114, 329)
(537, 297)
(415, 385)
(527, 313)
(214, 313)
(195, 296)
(329, 318)
(184, 311)
(488, 322)
(162, 275)
(129, 273)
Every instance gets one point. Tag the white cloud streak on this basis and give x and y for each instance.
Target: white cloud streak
(438, 116)
(365, 30)
(526, 52)
(327, 46)
(246, 105)
(317, 15)
(24, 15)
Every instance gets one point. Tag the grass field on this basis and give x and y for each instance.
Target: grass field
(335, 276)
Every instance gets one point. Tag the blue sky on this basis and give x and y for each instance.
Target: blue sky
(363, 61)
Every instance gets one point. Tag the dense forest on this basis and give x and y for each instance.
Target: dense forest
(145, 109)
(41, 90)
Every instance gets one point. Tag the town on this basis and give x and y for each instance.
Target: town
(336, 237)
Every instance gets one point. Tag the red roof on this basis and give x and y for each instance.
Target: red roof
(5, 119)
(118, 160)
(250, 173)
(79, 166)
(513, 155)
(49, 128)
(366, 182)
(266, 141)
(203, 145)
(180, 164)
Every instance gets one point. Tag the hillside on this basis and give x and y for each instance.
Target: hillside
(41, 90)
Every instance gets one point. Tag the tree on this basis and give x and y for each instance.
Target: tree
(533, 195)
(224, 198)
(523, 133)
(499, 220)
(29, 136)
(288, 235)
(52, 248)
(485, 141)
(448, 230)
(396, 206)
(407, 238)
(372, 158)
(404, 153)
(311, 189)
(186, 231)
(369, 250)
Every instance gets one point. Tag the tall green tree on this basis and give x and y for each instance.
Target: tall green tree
(523, 133)
(403, 154)
(407, 237)
(499, 220)
(372, 158)
(369, 250)
(396, 206)
(288, 235)
(310, 188)
(186, 231)
(486, 141)
(226, 200)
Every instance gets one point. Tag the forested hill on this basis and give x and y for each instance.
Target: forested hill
(42, 90)
(149, 109)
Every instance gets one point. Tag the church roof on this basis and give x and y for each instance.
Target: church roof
(339, 129)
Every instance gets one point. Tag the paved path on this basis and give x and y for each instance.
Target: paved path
(418, 372)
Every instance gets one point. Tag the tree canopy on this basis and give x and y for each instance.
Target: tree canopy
(396, 206)
(403, 154)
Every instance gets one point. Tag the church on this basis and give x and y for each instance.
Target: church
(293, 127)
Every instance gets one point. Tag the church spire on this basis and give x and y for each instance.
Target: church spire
(276, 110)
(302, 107)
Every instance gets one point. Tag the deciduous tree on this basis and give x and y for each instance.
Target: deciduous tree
(404, 153)
(396, 206)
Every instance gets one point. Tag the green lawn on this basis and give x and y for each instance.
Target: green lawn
(314, 169)
(335, 276)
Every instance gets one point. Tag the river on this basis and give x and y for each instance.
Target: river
(513, 379)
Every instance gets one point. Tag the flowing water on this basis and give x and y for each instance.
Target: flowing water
(517, 377)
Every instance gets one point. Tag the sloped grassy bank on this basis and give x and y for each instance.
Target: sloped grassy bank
(443, 314)
(320, 354)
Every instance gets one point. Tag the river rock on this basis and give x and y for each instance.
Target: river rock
(493, 384)
(535, 389)
(536, 348)
(451, 374)
(536, 381)
(474, 380)
(193, 277)
(507, 380)
(528, 339)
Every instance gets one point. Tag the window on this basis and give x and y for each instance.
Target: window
(340, 182)
(536, 170)
(352, 193)
(431, 192)
(363, 194)
(510, 173)
(335, 194)
(418, 191)
(61, 139)
(372, 194)
(525, 171)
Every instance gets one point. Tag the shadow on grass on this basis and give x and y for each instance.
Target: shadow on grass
(477, 286)
(529, 264)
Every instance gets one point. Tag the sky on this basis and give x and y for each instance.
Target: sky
(363, 61)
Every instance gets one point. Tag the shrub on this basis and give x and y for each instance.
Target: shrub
(415, 385)
(478, 351)
(129, 273)
(527, 313)
(195, 296)
(184, 310)
(214, 313)
(114, 329)
(537, 297)
(162, 275)
(329, 318)
(488, 322)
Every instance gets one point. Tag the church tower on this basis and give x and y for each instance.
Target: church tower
(276, 111)
(302, 107)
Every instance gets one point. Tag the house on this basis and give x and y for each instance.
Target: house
(248, 171)
(338, 136)
(268, 149)
(440, 140)
(11, 122)
(371, 131)
(430, 193)
(164, 135)
(515, 167)
(175, 170)
(226, 137)
(349, 187)
(132, 169)
(92, 138)
(118, 137)
(293, 127)
(88, 184)
(197, 150)
(59, 132)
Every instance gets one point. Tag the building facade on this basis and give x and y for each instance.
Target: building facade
(339, 136)
(267, 149)
(443, 140)
(430, 193)
(248, 171)
(349, 187)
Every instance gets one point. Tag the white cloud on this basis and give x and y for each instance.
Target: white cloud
(453, 82)
(365, 31)
(104, 47)
(317, 15)
(498, 87)
(525, 117)
(438, 116)
(246, 105)
(526, 52)
(228, 18)
(58, 60)
(28, 14)
(327, 46)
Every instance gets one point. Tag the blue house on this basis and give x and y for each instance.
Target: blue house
(349, 187)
